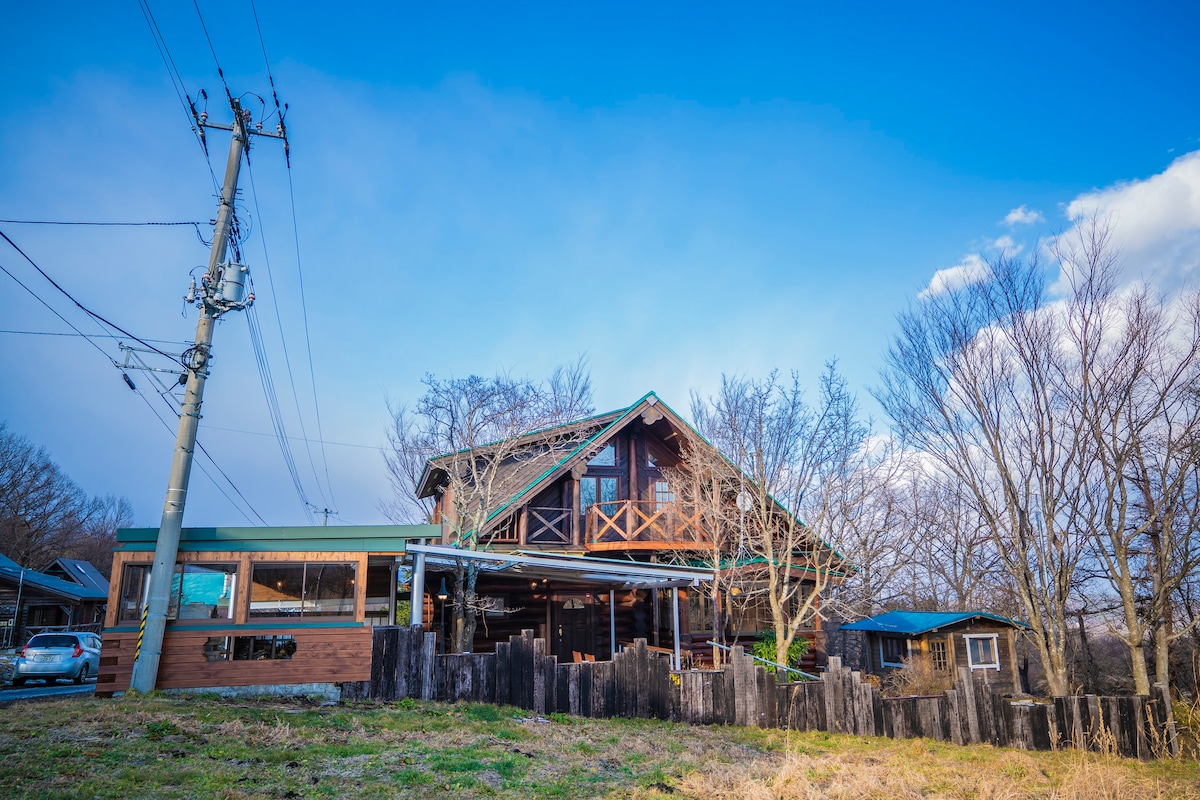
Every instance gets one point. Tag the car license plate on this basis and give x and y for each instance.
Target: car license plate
(46, 659)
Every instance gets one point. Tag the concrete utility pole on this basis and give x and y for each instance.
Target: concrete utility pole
(222, 289)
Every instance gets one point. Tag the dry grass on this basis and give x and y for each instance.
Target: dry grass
(158, 747)
(899, 770)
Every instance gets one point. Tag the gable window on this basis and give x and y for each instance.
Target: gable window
(892, 651)
(605, 458)
(983, 651)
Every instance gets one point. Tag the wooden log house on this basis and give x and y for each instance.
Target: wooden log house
(599, 487)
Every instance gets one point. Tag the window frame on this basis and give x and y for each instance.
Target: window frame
(907, 642)
(995, 640)
(175, 598)
(302, 615)
(940, 660)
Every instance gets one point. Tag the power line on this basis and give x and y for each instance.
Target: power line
(54, 311)
(105, 224)
(213, 461)
(177, 84)
(82, 307)
(287, 359)
(212, 50)
(84, 335)
(293, 438)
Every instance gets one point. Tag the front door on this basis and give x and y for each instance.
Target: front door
(574, 626)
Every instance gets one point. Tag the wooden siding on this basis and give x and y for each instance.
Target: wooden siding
(323, 655)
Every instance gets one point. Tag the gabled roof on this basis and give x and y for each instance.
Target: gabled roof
(915, 623)
(526, 477)
(12, 573)
(77, 571)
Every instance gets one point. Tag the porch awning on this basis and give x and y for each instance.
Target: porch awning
(606, 572)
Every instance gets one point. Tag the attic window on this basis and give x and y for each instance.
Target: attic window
(605, 458)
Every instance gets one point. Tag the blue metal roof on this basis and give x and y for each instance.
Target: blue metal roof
(13, 573)
(914, 623)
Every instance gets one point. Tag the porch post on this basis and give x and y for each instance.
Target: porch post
(675, 627)
(417, 617)
(612, 623)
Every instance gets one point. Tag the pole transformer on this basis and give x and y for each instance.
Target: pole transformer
(222, 289)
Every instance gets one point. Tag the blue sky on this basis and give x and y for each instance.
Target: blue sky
(675, 192)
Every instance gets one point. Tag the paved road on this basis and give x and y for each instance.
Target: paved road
(9, 694)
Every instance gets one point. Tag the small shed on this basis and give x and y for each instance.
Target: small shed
(977, 640)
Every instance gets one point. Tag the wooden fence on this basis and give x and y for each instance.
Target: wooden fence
(638, 682)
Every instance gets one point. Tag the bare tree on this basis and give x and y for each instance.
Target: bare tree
(44, 514)
(1135, 388)
(798, 461)
(478, 429)
(972, 381)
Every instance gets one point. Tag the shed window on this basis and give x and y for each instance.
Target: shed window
(939, 655)
(982, 651)
(302, 590)
(892, 651)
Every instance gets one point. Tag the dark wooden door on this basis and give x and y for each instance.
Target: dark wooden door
(573, 626)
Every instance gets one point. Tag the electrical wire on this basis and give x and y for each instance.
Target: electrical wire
(105, 224)
(213, 50)
(105, 335)
(299, 268)
(283, 338)
(205, 472)
(277, 422)
(54, 311)
(177, 84)
(84, 308)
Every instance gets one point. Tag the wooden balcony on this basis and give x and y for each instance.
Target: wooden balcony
(644, 525)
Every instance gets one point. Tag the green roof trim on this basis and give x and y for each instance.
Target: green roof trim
(336, 538)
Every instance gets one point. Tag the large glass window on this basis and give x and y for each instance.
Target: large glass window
(135, 579)
(598, 490)
(202, 591)
(302, 590)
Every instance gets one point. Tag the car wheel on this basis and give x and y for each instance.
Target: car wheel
(18, 681)
(82, 676)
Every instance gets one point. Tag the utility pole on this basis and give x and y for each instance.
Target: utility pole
(222, 289)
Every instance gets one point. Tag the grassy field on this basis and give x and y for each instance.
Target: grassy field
(161, 747)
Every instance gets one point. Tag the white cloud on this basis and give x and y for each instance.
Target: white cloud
(1154, 223)
(1006, 243)
(970, 269)
(1022, 216)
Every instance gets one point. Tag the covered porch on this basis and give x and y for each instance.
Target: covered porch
(585, 606)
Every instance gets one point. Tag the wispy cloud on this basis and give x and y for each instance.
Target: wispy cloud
(1022, 216)
(970, 269)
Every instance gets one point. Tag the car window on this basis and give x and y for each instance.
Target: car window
(53, 640)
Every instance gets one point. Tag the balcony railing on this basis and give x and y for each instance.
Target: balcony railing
(645, 525)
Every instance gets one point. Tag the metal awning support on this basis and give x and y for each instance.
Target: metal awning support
(675, 628)
(417, 615)
(612, 623)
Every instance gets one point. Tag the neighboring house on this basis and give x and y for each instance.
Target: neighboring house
(68, 595)
(982, 642)
(599, 487)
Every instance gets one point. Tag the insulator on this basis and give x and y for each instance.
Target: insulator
(203, 116)
(191, 295)
(258, 126)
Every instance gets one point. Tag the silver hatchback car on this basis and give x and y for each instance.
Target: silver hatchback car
(50, 656)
